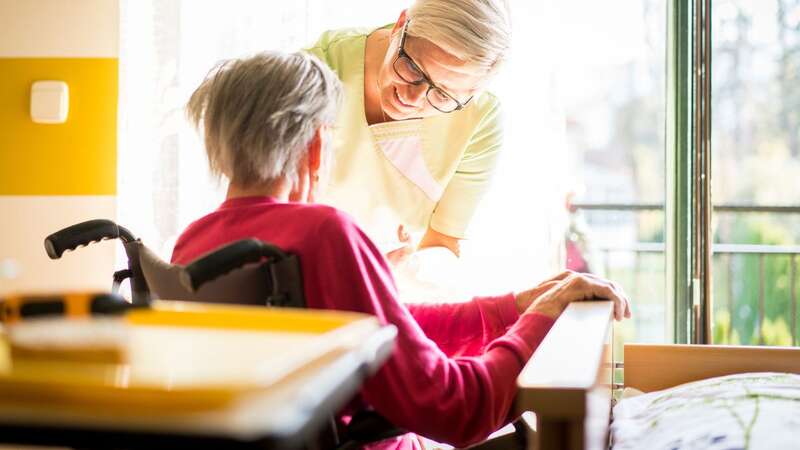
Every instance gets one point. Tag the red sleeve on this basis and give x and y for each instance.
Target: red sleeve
(465, 329)
(458, 400)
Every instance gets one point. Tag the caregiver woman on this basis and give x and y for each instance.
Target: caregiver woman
(418, 136)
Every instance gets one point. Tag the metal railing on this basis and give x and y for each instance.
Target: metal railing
(724, 257)
(781, 209)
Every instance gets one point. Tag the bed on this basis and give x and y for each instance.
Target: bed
(568, 383)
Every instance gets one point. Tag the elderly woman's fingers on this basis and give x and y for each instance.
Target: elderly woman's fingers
(605, 290)
(625, 304)
(592, 287)
(552, 296)
(578, 287)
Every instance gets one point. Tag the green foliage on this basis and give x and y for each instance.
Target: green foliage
(722, 329)
(738, 283)
(776, 332)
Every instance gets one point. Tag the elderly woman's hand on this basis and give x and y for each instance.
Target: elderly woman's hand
(552, 296)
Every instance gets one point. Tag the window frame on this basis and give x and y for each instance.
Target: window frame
(688, 171)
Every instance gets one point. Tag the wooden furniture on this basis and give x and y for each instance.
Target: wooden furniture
(568, 382)
(655, 367)
(197, 376)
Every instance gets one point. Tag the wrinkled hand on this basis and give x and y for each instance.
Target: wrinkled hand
(401, 254)
(552, 296)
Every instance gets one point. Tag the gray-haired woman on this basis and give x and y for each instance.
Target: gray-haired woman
(418, 135)
(452, 376)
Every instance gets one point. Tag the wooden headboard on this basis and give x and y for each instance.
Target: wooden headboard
(654, 367)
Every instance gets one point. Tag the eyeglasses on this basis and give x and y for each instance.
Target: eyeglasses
(409, 71)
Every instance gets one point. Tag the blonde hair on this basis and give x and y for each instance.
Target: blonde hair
(477, 31)
(259, 114)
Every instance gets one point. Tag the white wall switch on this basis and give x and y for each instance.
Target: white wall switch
(49, 101)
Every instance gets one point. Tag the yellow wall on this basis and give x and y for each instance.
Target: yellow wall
(74, 158)
(55, 175)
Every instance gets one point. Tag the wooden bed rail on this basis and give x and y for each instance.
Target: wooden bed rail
(567, 382)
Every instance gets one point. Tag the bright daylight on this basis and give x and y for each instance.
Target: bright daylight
(405, 225)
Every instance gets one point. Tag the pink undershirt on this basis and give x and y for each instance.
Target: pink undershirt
(453, 373)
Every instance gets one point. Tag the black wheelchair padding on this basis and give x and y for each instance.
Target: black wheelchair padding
(281, 270)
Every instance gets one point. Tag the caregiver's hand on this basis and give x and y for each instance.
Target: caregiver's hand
(400, 255)
(552, 296)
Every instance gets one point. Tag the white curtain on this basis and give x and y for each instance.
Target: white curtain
(167, 47)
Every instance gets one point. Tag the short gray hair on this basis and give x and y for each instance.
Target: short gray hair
(259, 114)
(477, 31)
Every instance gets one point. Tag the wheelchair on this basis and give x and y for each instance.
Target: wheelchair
(250, 271)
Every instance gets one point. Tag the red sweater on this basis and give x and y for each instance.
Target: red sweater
(452, 376)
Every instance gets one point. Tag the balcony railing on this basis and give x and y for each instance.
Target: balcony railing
(781, 209)
(746, 277)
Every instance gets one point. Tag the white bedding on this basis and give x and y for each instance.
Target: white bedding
(743, 411)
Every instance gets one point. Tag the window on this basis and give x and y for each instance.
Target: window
(612, 82)
(756, 170)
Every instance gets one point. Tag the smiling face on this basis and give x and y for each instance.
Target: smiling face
(402, 100)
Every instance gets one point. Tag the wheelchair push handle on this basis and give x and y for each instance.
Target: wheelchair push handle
(82, 234)
(227, 259)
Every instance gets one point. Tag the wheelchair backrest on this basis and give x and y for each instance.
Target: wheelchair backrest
(249, 284)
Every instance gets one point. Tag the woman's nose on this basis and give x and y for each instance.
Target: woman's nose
(415, 94)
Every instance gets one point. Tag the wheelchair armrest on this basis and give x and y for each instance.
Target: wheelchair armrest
(223, 260)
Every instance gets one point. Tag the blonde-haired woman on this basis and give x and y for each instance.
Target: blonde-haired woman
(418, 135)
(451, 377)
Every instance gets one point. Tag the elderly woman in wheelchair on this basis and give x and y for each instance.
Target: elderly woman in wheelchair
(267, 126)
